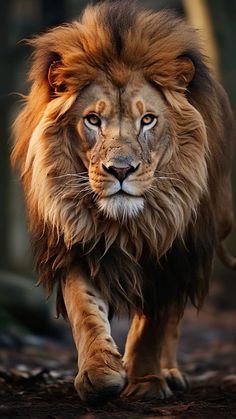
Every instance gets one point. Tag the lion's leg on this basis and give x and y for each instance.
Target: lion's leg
(142, 360)
(169, 365)
(101, 373)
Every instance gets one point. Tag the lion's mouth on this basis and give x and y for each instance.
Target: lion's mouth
(123, 193)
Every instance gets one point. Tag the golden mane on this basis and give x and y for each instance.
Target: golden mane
(119, 39)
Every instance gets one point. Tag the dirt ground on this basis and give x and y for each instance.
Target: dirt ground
(36, 377)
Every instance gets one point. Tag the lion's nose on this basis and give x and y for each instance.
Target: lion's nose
(120, 173)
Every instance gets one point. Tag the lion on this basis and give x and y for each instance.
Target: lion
(124, 147)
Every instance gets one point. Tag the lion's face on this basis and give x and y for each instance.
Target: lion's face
(134, 154)
(123, 133)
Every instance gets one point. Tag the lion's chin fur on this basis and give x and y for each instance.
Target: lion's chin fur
(121, 207)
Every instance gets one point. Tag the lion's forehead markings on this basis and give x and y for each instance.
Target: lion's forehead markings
(131, 102)
(140, 107)
(142, 99)
(101, 106)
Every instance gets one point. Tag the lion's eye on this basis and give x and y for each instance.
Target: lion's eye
(148, 119)
(92, 119)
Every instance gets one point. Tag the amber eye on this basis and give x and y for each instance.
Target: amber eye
(148, 119)
(92, 119)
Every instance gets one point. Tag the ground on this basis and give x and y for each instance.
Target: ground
(36, 377)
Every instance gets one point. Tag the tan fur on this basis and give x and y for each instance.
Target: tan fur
(146, 243)
(168, 359)
(150, 355)
(142, 360)
(99, 361)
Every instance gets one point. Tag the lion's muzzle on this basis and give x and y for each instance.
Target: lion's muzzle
(119, 172)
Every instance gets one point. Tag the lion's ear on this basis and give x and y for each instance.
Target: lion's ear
(185, 71)
(54, 76)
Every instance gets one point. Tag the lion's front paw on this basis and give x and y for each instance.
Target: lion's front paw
(101, 379)
(147, 387)
(175, 379)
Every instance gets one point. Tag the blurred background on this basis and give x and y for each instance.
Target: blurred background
(23, 310)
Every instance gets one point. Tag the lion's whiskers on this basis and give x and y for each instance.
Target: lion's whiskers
(167, 173)
(79, 175)
(153, 189)
(88, 192)
(76, 188)
(168, 178)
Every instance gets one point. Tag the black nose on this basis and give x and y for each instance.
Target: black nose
(120, 173)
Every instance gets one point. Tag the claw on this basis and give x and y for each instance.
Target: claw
(147, 388)
(176, 379)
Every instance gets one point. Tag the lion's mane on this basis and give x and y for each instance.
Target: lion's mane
(165, 254)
